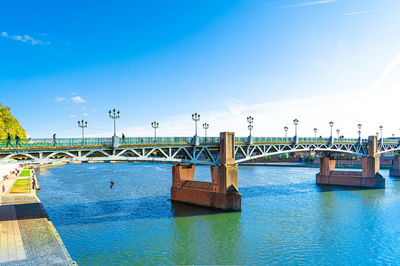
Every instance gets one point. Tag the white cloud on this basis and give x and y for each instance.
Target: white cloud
(386, 73)
(312, 3)
(346, 110)
(72, 116)
(78, 99)
(85, 114)
(24, 38)
(59, 99)
(360, 12)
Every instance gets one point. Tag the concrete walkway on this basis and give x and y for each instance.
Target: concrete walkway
(27, 237)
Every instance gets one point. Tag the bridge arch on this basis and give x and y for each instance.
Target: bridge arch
(361, 152)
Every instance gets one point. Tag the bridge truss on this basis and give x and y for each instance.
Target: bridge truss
(185, 153)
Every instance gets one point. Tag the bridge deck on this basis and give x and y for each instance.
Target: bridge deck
(68, 143)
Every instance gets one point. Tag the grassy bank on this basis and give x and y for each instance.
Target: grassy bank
(25, 173)
(22, 186)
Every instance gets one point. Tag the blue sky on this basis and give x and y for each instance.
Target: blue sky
(315, 60)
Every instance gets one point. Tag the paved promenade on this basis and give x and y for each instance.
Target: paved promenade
(27, 237)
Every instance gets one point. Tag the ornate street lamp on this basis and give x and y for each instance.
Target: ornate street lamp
(286, 130)
(315, 132)
(82, 124)
(250, 120)
(359, 132)
(114, 115)
(155, 125)
(195, 118)
(331, 125)
(205, 126)
(295, 122)
(381, 129)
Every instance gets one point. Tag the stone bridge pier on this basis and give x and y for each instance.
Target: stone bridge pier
(222, 193)
(395, 170)
(369, 177)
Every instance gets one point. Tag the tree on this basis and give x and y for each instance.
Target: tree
(8, 124)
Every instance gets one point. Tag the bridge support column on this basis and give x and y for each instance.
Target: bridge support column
(222, 193)
(369, 177)
(395, 170)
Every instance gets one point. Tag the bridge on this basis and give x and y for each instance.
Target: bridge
(222, 154)
(176, 150)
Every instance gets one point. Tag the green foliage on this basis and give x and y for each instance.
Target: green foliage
(25, 173)
(21, 186)
(8, 124)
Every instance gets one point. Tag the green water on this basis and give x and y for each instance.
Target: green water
(285, 218)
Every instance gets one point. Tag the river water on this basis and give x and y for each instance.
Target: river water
(285, 218)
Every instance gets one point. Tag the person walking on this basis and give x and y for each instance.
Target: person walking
(8, 140)
(54, 139)
(17, 140)
(123, 138)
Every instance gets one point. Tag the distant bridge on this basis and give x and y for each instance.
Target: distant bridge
(177, 150)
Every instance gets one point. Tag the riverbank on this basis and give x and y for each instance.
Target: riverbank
(307, 165)
(27, 236)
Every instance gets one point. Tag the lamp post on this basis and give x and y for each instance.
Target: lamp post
(331, 125)
(155, 125)
(359, 132)
(381, 129)
(205, 126)
(315, 132)
(338, 132)
(196, 118)
(82, 124)
(114, 115)
(295, 122)
(286, 129)
(250, 120)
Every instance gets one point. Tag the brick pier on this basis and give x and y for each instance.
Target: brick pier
(369, 177)
(222, 193)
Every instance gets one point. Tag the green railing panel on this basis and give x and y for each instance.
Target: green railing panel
(64, 142)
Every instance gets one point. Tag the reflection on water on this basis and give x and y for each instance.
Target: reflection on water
(285, 218)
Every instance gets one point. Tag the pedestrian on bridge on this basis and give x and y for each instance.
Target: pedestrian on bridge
(123, 138)
(54, 140)
(8, 140)
(17, 140)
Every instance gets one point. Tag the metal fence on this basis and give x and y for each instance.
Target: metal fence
(68, 142)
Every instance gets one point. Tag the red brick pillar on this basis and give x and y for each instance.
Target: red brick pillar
(182, 173)
(224, 178)
(326, 165)
(371, 165)
(395, 170)
(226, 175)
